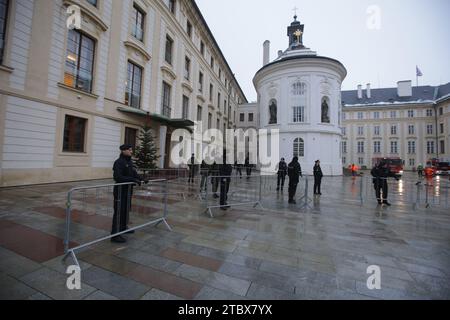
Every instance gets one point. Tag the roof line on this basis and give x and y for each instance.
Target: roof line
(218, 47)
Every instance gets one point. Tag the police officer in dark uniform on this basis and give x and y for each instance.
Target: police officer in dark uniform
(318, 175)
(191, 169)
(282, 172)
(294, 172)
(124, 172)
(214, 173)
(225, 171)
(380, 174)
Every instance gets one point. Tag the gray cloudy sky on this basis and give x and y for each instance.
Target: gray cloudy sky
(411, 32)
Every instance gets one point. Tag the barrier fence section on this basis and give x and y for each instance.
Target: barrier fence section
(223, 192)
(109, 209)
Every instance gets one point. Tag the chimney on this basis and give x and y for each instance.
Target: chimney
(404, 88)
(369, 91)
(266, 54)
(280, 52)
(359, 91)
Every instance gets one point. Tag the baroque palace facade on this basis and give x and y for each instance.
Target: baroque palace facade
(70, 98)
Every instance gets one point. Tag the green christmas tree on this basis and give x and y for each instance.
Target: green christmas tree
(146, 152)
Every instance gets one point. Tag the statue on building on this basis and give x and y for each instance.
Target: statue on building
(325, 112)
(273, 112)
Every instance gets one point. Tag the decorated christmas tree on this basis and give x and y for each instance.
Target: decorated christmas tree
(146, 152)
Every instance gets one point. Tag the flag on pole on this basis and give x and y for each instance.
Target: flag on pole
(418, 72)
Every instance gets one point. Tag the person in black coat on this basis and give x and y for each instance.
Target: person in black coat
(225, 172)
(248, 166)
(282, 172)
(294, 173)
(317, 178)
(380, 174)
(191, 166)
(124, 172)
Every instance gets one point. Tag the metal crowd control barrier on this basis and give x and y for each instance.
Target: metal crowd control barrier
(169, 174)
(234, 192)
(96, 205)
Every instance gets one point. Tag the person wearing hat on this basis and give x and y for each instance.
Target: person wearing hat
(124, 172)
(294, 173)
(380, 174)
(282, 172)
(317, 178)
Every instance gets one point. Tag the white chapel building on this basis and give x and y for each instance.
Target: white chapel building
(299, 93)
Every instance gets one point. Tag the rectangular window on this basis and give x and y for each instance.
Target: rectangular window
(394, 147)
(220, 74)
(360, 147)
(242, 117)
(218, 100)
(209, 120)
(393, 130)
(185, 112)
(410, 113)
(344, 115)
(4, 5)
(411, 130)
(225, 106)
(298, 114)
(169, 48)
(202, 48)
(166, 104)
(199, 113)
(250, 117)
(376, 130)
(360, 116)
(138, 28)
(74, 134)
(429, 129)
(344, 146)
(412, 162)
(377, 147)
(93, 2)
(441, 111)
(133, 89)
(187, 68)
(442, 146)
(218, 124)
(131, 137)
(172, 6)
(212, 62)
(429, 112)
(344, 160)
(376, 115)
(200, 81)
(344, 131)
(360, 131)
(430, 147)
(360, 161)
(211, 91)
(441, 128)
(411, 147)
(79, 66)
(189, 29)
(393, 114)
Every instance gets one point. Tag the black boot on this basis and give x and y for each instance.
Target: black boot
(118, 239)
(385, 202)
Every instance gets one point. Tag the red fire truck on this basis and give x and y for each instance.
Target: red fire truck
(396, 165)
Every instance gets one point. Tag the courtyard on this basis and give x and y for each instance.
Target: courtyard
(318, 249)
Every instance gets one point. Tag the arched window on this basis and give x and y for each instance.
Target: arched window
(299, 148)
(299, 88)
(273, 112)
(325, 110)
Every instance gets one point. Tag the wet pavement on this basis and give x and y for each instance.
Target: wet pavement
(318, 249)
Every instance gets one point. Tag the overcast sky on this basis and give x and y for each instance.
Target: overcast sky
(412, 32)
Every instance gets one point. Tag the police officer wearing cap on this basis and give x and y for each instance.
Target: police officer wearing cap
(124, 172)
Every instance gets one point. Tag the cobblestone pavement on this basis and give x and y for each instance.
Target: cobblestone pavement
(318, 251)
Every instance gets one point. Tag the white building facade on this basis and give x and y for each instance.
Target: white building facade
(299, 94)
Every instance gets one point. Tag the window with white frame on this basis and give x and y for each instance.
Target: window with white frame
(412, 162)
(344, 131)
(360, 131)
(393, 114)
(376, 130)
(429, 112)
(411, 129)
(298, 114)
(360, 161)
(299, 89)
(377, 147)
(430, 147)
(344, 146)
(429, 129)
(360, 147)
(299, 148)
(376, 115)
(394, 130)
(410, 113)
(394, 147)
(411, 147)
(360, 115)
